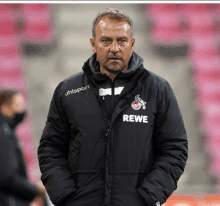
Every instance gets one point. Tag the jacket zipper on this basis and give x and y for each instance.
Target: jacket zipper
(112, 104)
(113, 93)
(108, 129)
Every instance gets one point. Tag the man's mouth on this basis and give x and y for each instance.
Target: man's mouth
(114, 59)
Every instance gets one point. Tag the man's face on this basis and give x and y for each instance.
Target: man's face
(17, 104)
(113, 45)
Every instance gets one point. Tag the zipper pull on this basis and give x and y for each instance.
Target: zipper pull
(109, 123)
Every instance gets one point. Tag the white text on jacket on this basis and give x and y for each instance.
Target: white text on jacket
(135, 118)
(76, 90)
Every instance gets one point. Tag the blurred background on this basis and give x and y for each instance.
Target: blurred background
(42, 44)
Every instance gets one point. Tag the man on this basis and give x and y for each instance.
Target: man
(15, 189)
(114, 134)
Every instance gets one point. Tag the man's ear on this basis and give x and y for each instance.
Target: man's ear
(92, 41)
(132, 43)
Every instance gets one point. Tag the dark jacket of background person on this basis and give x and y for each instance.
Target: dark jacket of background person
(15, 189)
(90, 158)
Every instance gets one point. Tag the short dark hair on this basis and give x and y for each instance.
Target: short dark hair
(6, 96)
(112, 13)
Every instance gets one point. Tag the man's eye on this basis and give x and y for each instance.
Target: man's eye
(122, 41)
(105, 41)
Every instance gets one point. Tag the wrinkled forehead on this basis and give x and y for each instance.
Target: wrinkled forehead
(111, 24)
(106, 25)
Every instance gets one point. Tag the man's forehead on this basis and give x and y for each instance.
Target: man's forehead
(111, 24)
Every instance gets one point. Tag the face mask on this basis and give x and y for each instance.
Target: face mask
(19, 117)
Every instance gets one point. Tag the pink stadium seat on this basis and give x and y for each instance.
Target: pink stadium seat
(9, 51)
(209, 99)
(209, 87)
(6, 23)
(209, 77)
(198, 10)
(165, 24)
(204, 64)
(212, 8)
(211, 119)
(202, 47)
(12, 63)
(212, 145)
(208, 106)
(38, 23)
(11, 74)
(17, 83)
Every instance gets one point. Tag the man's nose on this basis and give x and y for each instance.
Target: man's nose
(114, 48)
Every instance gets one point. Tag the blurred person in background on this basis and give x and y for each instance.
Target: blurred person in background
(114, 134)
(15, 189)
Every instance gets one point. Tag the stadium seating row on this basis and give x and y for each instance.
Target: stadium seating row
(22, 23)
(198, 26)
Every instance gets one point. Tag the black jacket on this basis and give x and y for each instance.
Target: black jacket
(129, 154)
(15, 189)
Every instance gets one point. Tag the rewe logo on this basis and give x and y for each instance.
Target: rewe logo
(76, 90)
(135, 118)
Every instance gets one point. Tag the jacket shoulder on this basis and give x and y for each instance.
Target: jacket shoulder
(69, 82)
(160, 81)
(158, 84)
(74, 77)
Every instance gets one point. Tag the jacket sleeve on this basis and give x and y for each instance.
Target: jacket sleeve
(171, 148)
(10, 180)
(53, 151)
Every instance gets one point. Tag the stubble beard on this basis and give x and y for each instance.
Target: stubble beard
(114, 68)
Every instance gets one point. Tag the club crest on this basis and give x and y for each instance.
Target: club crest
(138, 103)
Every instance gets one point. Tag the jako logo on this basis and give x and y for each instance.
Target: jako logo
(135, 118)
(76, 90)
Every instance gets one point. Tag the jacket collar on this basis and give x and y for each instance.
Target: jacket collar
(92, 68)
(134, 76)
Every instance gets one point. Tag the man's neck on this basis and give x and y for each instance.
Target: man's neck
(109, 74)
